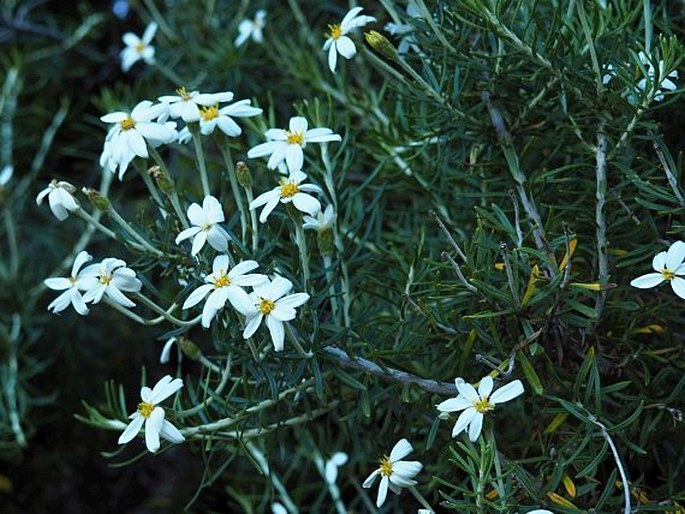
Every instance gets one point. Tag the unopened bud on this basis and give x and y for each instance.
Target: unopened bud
(325, 241)
(190, 349)
(69, 188)
(244, 175)
(381, 44)
(99, 200)
(164, 182)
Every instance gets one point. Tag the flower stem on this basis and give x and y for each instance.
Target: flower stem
(167, 313)
(202, 166)
(150, 186)
(226, 152)
(301, 242)
(420, 498)
(128, 228)
(330, 278)
(253, 219)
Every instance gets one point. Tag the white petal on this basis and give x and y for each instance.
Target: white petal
(659, 261)
(647, 281)
(131, 430)
(345, 47)
(400, 450)
(171, 433)
(252, 324)
(454, 404)
(370, 479)
(153, 425)
(277, 331)
(467, 390)
(187, 233)
(678, 286)
(485, 386)
(79, 261)
(675, 255)
(198, 242)
(239, 299)
(332, 55)
(294, 157)
(293, 300)
(61, 302)
(165, 388)
(212, 210)
(408, 469)
(263, 149)
(57, 283)
(218, 238)
(475, 426)
(463, 421)
(382, 492)
(306, 203)
(197, 296)
(507, 392)
(116, 295)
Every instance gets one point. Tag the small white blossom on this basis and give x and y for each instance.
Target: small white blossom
(324, 220)
(290, 190)
(668, 266)
(251, 29)
(268, 301)
(224, 284)
(287, 145)
(476, 403)
(656, 79)
(206, 227)
(138, 48)
(331, 467)
(151, 415)
(112, 278)
(338, 42)
(212, 117)
(394, 472)
(72, 287)
(60, 198)
(404, 30)
(186, 105)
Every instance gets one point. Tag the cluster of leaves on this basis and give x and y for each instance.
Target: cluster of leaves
(554, 190)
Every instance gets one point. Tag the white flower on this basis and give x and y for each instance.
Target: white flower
(656, 81)
(609, 74)
(251, 28)
(288, 144)
(668, 265)
(186, 105)
(206, 229)
(325, 219)
(404, 29)
(138, 48)
(394, 472)
(268, 300)
(332, 465)
(475, 404)
(224, 284)
(277, 508)
(212, 117)
(290, 190)
(6, 175)
(152, 416)
(111, 277)
(338, 42)
(127, 138)
(60, 198)
(71, 287)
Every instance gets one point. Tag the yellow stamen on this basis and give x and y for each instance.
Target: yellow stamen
(294, 138)
(105, 279)
(145, 409)
(209, 113)
(183, 93)
(266, 306)
(140, 47)
(128, 123)
(483, 406)
(386, 466)
(223, 281)
(288, 189)
(668, 274)
(334, 31)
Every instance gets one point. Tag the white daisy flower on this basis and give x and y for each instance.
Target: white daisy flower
(206, 227)
(394, 472)
(476, 404)
(60, 198)
(331, 467)
(224, 284)
(290, 190)
(138, 48)
(288, 144)
(338, 42)
(324, 220)
(668, 266)
(151, 415)
(111, 277)
(212, 117)
(656, 80)
(71, 286)
(251, 29)
(269, 301)
(186, 105)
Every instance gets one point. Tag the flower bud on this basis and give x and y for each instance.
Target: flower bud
(164, 181)
(381, 44)
(325, 240)
(190, 349)
(99, 200)
(244, 175)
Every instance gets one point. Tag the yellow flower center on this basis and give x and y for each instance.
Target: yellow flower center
(334, 31)
(128, 123)
(288, 189)
(140, 47)
(145, 409)
(668, 274)
(183, 93)
(386, 466)
(294, 138)
(223, 281)
(105, 279)
(209, 113)
(206, 227)
(266, 306)
(483, 405)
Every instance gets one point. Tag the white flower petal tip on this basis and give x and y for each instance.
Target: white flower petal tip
(151, 417)
(476, 404)
(668, 266)
(394, 472)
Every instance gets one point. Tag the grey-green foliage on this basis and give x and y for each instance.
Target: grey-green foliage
(500, 121)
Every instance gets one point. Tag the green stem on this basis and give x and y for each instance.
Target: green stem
(127, 227)
(202, 166)
(226, 152)
(330, 278)
(92, 221)
(420, 498)
(301, 242)
(167, 313)
(253, 219)
(151, 186)
(492, 446)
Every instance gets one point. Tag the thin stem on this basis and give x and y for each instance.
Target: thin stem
(330, 278)
(92, 221)
(457, 270)
(672, 180)
(263, 464)
(217, 392)
(133, 232)
(420, 498)
(296, 343)
(301, 242)
(167, 313)
(448, 235)
(600, 218)
(647, 16)
(226, 152)
(126, 312)
(11, 242)
(151, 186)
(617, 459)
(199, 154)
(253, 219)
(492, 446)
